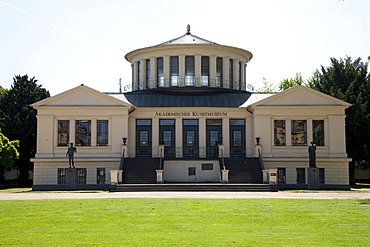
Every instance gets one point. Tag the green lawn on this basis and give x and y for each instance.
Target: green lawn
(185, 222)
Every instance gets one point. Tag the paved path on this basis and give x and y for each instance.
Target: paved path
(28, 195)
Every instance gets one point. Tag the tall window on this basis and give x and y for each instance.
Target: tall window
(63, 132)
(279, 133)
(219, 72)
(322, 175)
(102, 133)
(147, 75)
(139, 77)
(231, 73)
(81, 175)
(174, 70)
(83, 133)
(189, 71)
(205, 71)
(301, 175)
(281, 175)
(160, 74)
(100, 175)
(61, 175)
(238, 86)
(299, 132)
(318, 132)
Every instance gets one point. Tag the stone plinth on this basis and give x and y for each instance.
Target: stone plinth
(71, 179)
(313, 177)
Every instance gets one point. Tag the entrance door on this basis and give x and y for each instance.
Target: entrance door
(214, 136)
(190, 138)
(144, 137)
(237, 138)
(167, 136)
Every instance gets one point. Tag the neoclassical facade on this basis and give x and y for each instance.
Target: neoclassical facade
(191, 118)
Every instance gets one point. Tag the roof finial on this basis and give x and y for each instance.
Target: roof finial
(188, 29)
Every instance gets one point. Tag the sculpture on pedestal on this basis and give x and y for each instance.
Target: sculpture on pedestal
(312, 155)
(70, 153)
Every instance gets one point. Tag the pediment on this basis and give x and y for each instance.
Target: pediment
(81, 96)
(301, 96)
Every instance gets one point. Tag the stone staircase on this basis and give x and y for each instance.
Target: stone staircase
(140, 170)
(244, 170)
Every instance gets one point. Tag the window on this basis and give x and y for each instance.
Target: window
(231, 73)
(139, 77)
(191, 122)
(148, 78)
(207, 167)
(174, 70)
(205, 71)
(190, 138)
(279, 133)
(83, 133)
(160, 74)
(100, 175)
(63, 132)
(301, 175)
(189, 71)
(61, 175)
(81, 175)
(318, 132)
(237, 122)
(299, 132)
(237, 138)
(144, 138)
(102, 133)
(191, 171)
(322, 175)
(281, 175)
(219, 72)
(239, 83)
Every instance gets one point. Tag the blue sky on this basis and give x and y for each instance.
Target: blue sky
(65, 43)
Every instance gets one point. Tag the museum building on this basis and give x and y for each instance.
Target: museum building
(190, 118)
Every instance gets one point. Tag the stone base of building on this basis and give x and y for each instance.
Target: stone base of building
(321, 187)
(64, 187)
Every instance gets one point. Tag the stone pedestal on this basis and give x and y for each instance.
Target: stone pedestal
(270, 176)
(313, 177)
(257, 150)
(116, 177)
(71, 179)
(159, 176)
(225, 176)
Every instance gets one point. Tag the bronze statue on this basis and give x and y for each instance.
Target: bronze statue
(70, 153)
(312, 155)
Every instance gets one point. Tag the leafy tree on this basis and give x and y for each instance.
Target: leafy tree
(267, 87)
(350, 81)
(19, 120)
(288, 83)
(8, 154)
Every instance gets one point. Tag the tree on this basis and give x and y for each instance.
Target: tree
(350, 81)
(267, 87)
(19, 120)
(8, 154)
(288, 83)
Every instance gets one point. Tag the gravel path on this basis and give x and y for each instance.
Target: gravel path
(28, 195)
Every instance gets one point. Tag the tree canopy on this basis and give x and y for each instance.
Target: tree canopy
(18, 119)
(349, 80)
(8, 154)
(267, 87)
(287, 83)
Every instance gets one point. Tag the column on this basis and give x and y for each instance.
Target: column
(166, 70)
(94, 130)
(309, 132)
(153, 72)
(202, 137)
(243, 85)
(212, 71)
(235, 74)
(225, 71)
(179, 135)
(198, 69)
(155, 137)
(181, 70)
(288, 134)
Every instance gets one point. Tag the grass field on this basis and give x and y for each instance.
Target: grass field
(185, 222)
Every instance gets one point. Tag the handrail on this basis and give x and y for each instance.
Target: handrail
(223, 160)
(260, 159)
(122, 162)
(160, 163)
